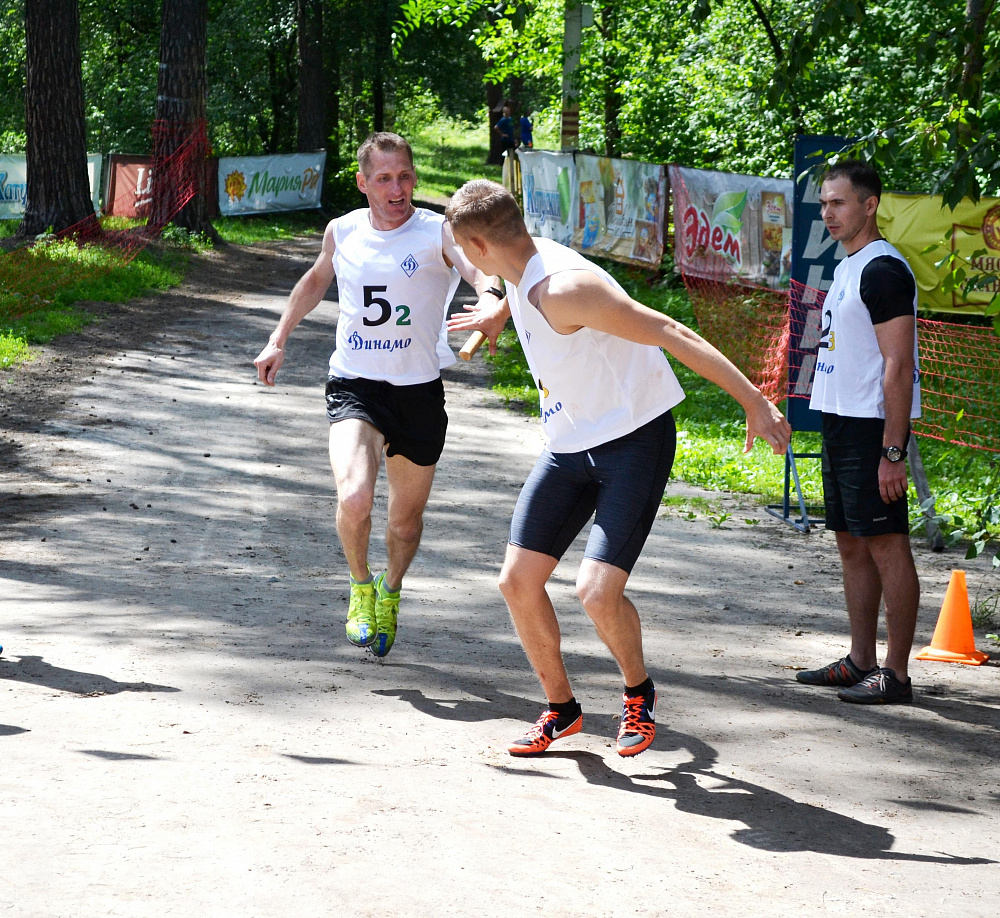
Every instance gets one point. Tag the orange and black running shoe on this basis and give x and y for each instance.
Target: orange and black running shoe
(638, 726)
(543, 734)
(841, 673)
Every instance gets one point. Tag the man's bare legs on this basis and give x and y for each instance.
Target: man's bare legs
(875, 567)
(522, 583)
(409, 488)
(601, 589)
(355, 455)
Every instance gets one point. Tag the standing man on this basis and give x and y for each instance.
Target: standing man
(867, 385)
(606, 391)
(395, 265)
(505, 128)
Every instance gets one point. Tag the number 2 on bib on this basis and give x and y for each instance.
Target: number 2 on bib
(384, 308)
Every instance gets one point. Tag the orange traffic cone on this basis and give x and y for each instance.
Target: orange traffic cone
(953, 640)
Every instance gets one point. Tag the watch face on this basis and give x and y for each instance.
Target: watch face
(893, 453)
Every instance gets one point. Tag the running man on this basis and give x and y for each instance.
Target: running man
(606, 392)
(397, 268)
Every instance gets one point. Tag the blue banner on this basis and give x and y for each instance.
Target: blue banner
(814, 258)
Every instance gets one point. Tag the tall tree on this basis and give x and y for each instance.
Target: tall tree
(312, 88)
(58, 193)
(180, 141)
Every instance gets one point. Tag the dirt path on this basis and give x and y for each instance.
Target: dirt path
(185, 731)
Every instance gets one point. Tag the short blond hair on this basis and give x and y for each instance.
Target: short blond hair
(383, 142)
(487, 209)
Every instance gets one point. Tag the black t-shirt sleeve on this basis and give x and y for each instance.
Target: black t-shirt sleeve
(887, 289)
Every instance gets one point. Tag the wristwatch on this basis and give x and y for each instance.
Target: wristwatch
(496, 291)
(893, 453)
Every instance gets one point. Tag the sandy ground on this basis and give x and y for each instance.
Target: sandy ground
(185, 731)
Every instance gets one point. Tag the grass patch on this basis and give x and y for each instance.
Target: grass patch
(268, 227)
(448, 154)
(40, 285)
(8, 228)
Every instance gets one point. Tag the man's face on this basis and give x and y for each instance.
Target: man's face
(845, 211)
(389, 188)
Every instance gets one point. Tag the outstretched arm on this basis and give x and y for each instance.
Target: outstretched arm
(571, 300)
(306, 295)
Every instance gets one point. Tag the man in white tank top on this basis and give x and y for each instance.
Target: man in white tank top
(606, 391)
(867, 386)
(396, 269)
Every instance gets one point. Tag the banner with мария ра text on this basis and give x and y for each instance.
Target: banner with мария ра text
(621, 206)
(548, 190)
(260, 184)
(913, 222)
(14, 183)
(736, 226)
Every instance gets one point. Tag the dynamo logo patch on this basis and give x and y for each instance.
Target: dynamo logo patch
(409, 265)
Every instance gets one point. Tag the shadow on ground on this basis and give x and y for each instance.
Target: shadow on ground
(35, 671)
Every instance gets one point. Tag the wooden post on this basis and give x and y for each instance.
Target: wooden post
(934, 537)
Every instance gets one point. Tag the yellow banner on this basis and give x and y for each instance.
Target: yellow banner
(911, 222)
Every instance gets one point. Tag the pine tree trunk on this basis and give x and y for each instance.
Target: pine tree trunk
(180, 144)
(58, 193)
(312, 98)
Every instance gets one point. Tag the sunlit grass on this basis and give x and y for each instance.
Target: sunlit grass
(449, 153)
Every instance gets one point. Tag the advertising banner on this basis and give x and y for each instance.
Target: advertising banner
(261, 184)
(129, 189)
(621, 209)
(814, 257)
(734, 225)
(911, 222)
(549, 194)
(128, 184)
(14, 183)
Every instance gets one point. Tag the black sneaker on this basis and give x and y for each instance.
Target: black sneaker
(879, 687)
(843, 672)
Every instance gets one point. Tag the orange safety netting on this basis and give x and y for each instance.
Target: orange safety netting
(748, 323)
(959, 373)
(31, 277)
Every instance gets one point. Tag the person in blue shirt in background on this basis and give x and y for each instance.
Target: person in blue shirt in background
(525, 124)
(505, 128)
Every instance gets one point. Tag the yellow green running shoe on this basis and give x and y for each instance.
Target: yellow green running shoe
(386, 613)
(361, 614)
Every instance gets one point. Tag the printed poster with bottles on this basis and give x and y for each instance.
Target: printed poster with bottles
(732, 226)
(621, 209)
(548, 182)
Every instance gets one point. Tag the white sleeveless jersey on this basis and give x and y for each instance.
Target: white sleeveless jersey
(849, 364)
(394, 290)
(593, 387)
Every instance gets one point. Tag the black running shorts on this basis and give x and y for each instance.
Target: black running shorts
(852, 451)
(411, 418)
(619, 483)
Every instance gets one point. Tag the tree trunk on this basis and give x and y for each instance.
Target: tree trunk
(331, 79)
(58, 192)
(612, 99)
(383, 51)
(180, 141)
(494, 112)
(312, 97)
(976, 14)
